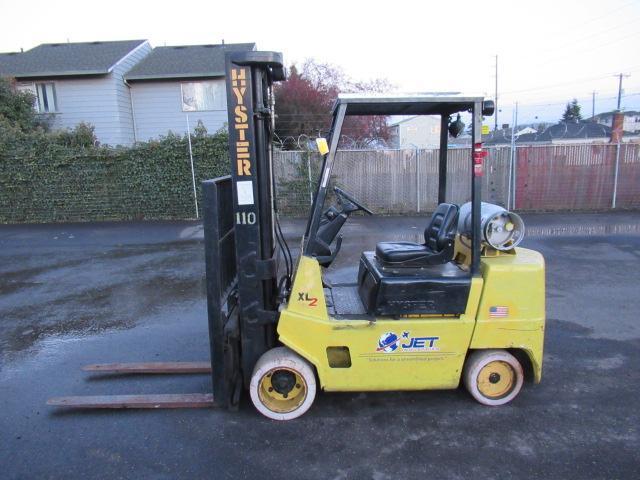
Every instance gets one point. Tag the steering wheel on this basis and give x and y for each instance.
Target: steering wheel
(345, 195)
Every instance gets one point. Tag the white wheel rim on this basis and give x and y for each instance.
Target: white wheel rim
(284, 401)
(282, 409)
(480, 370)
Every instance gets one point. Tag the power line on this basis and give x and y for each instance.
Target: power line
(592, 35)
(545, 96)
(589, 49)
(581, 80)
(564, 102)
(608, 14)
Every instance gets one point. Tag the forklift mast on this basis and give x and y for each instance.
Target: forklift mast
(242, 278)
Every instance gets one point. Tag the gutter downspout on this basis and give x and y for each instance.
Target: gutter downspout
(133, 112)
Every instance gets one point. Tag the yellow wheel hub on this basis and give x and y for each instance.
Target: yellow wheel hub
(282, 390)
(496, 379)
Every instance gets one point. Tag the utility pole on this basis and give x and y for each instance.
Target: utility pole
(619, 137)
(496, 99)
(511, 188)
(593, 106)
(620, 75)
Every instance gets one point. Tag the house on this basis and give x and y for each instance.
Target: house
(81, 82)
(421, 131)
(526, 130)
(562, 132)
(128, 91)
(631, 121)
(178, 86)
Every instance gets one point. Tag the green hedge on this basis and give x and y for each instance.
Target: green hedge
(44, 181)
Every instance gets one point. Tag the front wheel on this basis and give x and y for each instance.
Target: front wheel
(283, 384)
(493, 377)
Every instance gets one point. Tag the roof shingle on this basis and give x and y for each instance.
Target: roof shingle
(190, 61)
(64, 59)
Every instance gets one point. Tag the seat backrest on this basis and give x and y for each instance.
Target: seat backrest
(443, 223)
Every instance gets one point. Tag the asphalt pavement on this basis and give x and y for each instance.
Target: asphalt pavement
(76, 294)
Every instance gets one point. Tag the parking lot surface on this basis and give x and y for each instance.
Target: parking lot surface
(71, 295)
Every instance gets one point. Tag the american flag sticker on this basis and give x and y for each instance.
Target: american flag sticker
(498, 312)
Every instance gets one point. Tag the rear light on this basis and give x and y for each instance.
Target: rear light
(478, 159)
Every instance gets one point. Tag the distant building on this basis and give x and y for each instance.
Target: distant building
(525, 131)
(631, 120)
(562, 132)
(128, 91)
(421, 131)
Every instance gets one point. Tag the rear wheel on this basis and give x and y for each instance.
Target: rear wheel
(493, 377)
(283, 385)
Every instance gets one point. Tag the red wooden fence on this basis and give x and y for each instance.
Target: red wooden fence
(577, 177)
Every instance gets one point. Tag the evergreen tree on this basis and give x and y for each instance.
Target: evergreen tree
(572, 112)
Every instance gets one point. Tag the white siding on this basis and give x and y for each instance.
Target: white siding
(419, 132)
(631, 122)
(104, 102)
(122, 91)
(92, 101)
(158, 110)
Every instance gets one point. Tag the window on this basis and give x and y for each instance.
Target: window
(46, 97)
(45, 94)
(199, 96)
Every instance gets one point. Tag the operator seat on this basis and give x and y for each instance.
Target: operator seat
(403, 278)
(438, 244)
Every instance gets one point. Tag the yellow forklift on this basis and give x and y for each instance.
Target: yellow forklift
(465, 305)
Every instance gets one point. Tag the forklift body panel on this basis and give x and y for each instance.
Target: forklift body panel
(421, 353)
(515, 281)
(429, 351)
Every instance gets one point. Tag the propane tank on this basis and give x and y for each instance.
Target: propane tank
(501, 229)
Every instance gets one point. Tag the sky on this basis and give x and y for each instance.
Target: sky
(548, 51)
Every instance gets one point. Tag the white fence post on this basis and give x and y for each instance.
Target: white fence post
(615, 176)
(515, 175)
(510, 173)
(418, 181)
(508, 170)
(193, 174)
(310, 183)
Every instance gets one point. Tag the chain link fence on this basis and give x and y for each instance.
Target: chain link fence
(532, 178)
(155, 182)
